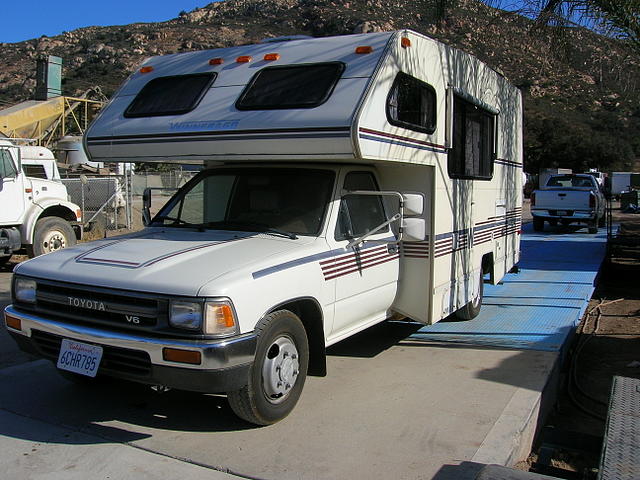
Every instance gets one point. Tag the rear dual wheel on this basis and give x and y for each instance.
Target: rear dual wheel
(472, 309)
(278, 372)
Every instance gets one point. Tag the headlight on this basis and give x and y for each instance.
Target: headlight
(220, 319)
(213, 317)
(186, 315)
(25, 290)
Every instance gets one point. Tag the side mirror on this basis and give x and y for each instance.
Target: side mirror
(146, 206)
(414, 229)
(413, 203)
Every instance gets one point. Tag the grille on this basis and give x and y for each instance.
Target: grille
(114, 359)
(99, 306)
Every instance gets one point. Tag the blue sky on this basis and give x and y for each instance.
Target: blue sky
(22, 21)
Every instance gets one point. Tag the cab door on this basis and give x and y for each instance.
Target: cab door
(365, 275)
(12, 195)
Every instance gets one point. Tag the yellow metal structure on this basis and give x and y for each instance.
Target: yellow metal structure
(44, 122)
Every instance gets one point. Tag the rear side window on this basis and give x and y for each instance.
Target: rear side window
(34, 171)
(290, 86)
(473, 149)
(412, 104)
(170, 95)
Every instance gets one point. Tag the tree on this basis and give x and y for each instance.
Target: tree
(616, 18)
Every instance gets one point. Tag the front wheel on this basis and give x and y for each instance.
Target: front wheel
(278, 372)
(52, 234)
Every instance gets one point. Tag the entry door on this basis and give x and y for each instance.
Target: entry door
(11, 190)
(366, 276)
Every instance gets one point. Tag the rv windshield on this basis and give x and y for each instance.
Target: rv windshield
(274, 200)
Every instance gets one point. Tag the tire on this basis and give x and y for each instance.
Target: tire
(593, 227)
(538, 224)
(52, 234)
(270, 394)
(602, 221)
(472, 309)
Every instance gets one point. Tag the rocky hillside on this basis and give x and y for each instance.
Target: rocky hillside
(581, 90)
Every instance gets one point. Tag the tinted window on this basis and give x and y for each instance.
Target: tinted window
(7, 170)
(473, 149)
(293, 200)
(34, 171)
(170, 95)
(412, 104)
(293, 86)
(359, 213)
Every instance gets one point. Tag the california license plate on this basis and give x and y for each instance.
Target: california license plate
(78, 357)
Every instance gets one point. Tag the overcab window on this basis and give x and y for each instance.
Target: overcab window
(172, 95)
(291, 86)
(412, 104)
(473, 146)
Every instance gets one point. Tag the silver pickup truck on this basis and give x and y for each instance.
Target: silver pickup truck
(569, 198)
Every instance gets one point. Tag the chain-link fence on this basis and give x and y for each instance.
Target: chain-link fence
(112, 203)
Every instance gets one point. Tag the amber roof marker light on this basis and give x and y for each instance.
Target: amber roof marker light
(244, 59)
(147, 69)
(271, 57)
(364, 49)
(405, 42)
(216, 61)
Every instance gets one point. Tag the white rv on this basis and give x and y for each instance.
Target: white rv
(347, 180)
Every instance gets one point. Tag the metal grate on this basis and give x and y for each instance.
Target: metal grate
(621, 451)
(114, 359)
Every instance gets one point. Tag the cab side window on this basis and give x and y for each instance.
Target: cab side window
(359, 213)
(7, 169)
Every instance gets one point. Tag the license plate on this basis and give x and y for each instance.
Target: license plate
(78, 357)
(562, 213)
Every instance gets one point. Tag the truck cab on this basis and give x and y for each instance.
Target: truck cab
(36, 214)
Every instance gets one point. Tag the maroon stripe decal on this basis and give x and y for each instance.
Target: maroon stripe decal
(347, 272)
(400, 137)
(346, 265)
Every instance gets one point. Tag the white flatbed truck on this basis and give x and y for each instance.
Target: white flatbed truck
(347, 180)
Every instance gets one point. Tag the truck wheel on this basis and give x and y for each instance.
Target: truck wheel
(52, 233)
(278, 372)
(538, 224)
(472, 309)
(593, 227)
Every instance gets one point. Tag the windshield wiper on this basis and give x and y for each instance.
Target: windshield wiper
(177, 222)
(248, 226)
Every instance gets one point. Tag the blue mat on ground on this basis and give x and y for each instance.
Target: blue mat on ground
(539, 307)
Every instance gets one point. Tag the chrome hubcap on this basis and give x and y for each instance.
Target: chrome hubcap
(54, 241)
(280, 369)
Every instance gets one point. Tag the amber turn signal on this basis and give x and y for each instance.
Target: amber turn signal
(13, 322)
(181, 356)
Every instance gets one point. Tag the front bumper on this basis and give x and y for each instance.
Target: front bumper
(224, 366)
